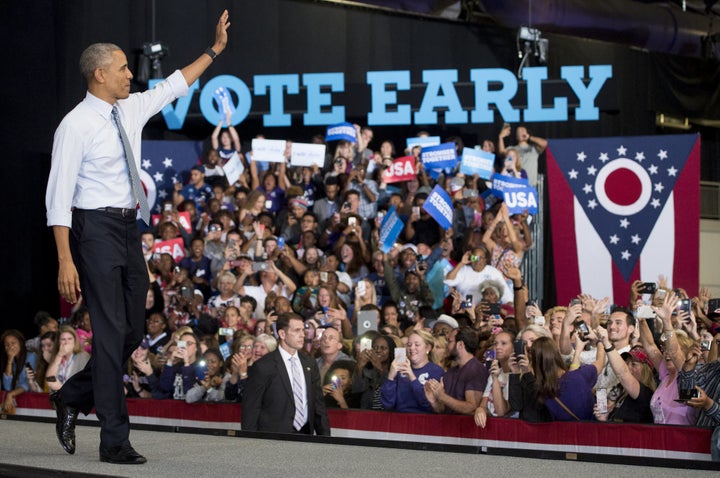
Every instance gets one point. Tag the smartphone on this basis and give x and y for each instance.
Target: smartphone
(27, 364)
(167, 207)
(235, 263)
(259, 266)
(323, 276)
(187, 292)
(400, 354)
(495, 309)
(416, 210)
(281, 243)
(346, 205)
(489, 357)
(352, 221)
(181, 344)
(226, 332)
(661, 293)
(361, 289)
(201, 370)
(574, 302)
(367, 320)
(647, 288)
(468, 303)
(601, 397)
(365, 344)
(519, 347)
(685, 395)
(268, 204)
(539, 320)
(582, 328)
(705, 345)
(645, 312)
(713, 306)
(684, 305)
(335, 382)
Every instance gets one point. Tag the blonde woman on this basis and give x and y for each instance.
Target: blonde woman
(67, 360)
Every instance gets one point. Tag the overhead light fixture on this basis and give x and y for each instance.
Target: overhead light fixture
(531, 44)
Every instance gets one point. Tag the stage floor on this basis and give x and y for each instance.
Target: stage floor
(30, 449)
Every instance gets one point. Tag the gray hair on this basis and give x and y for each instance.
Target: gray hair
(268, 340)
(97, 55)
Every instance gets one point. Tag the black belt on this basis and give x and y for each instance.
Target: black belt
(125, 212)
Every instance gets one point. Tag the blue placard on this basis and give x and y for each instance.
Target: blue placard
(439, 206)
(224, 101)
(439, 157)
(423, 141)
(477, 161)
(489, 199)
(390, 229)
(341, 131)
(516, 193)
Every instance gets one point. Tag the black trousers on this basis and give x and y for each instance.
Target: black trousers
(114, 281)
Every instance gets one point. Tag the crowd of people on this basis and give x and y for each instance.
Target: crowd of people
(441, 323)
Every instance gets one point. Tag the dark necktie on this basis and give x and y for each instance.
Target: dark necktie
(132, 168)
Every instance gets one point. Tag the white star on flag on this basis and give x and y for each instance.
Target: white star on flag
(614, 239)
(592, 170)
(639, 157)
(146, 164)
(672, 171)
(581, 156)
(162, 194)
(573, 174)
(659, 187)
(587, 189)
(653, 169)
(167, 162)
(592, 204)
(604, 157)
(622, 150)
(158, 176)
(635, 239)
(626, 255)
(655, 203)
(662, 154)
(624, 223)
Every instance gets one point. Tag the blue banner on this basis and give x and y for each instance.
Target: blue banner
(422, 141)
(341, 131)
(439, 157)
(489, 199)
(390, 229)
(516, 193)
(477, 161)
(439, 206)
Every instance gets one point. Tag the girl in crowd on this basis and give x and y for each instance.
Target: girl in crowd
(178, 375)
(12, 361)
(211, 387)
(68, 358)
(372, 370)
(403, 391)
(140, 380)
(36, 377)
(495, 398)
(81, 322)
(337, 387)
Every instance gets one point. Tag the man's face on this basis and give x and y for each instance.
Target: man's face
(117, 76)
(51, 326)
(412, 283)
(155, 325)
(330, 342)
(198, 246)
(441, 330)
(308, 224)
(294, 336)
(452, 344)
(331, 190)
(481, 262)
(196, 177)
(618, 328)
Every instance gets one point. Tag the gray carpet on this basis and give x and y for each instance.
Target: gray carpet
(29, 449)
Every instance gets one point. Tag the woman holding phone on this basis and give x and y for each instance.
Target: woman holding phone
(404, 391)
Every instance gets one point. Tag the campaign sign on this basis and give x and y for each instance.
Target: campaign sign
(390, 229)
(270, 150)
(439, 157)
(307, 154)
(516, 193)
(233, 168)
(439, 205)
(340, 131)
(183, 219)
(402, 169)
(477, 161)
(174, 247)
(423, 141)
(224, 101)
(489, 199)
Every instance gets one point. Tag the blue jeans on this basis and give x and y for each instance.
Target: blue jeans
(715, 445)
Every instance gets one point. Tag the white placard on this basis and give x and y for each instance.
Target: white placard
(270, 150)
(307, 154)
(233, 168)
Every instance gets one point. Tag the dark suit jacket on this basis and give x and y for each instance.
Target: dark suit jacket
(268, 403)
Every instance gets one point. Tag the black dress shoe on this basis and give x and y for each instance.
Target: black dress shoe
(65, 424)
(121, 455)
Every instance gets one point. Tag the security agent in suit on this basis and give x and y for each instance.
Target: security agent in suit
(270, 394)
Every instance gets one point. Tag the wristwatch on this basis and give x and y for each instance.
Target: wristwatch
(666, 335)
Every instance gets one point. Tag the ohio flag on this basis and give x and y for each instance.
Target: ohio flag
(623, 209)
(165, 163)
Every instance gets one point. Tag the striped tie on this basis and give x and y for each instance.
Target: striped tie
(132, 169)
(300, 417)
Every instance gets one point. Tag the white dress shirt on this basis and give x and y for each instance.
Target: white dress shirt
(286, 360)
(88, 162)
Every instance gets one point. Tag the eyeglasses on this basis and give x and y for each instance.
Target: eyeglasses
(246, 347)
(189, 342)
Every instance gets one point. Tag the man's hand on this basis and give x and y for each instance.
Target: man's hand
(221, 37)
(68, 281)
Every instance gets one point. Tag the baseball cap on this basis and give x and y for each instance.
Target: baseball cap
(639, 355)
(446, 319)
